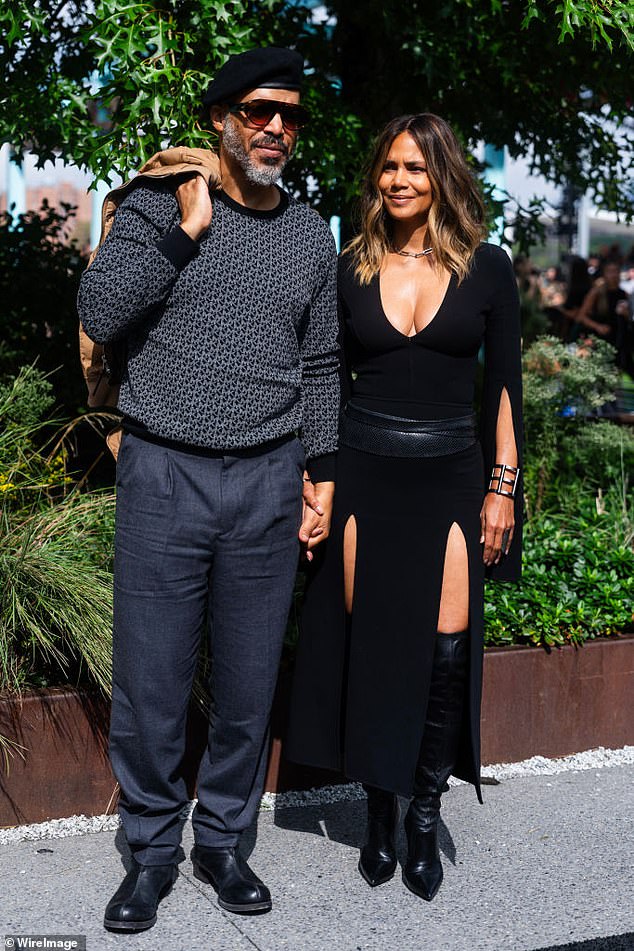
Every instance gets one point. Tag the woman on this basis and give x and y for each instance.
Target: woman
(579, 283)
(388, 676)
(605, 312)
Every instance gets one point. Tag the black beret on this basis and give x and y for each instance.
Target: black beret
(270, 66)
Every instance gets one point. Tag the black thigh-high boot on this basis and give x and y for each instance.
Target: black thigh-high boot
(377, 862)
(443, 726)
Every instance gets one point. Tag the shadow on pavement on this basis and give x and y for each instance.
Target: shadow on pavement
(617, 942)
(344, 822)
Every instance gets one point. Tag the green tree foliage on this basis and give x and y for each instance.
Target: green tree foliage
(599, 18)
(39, 279)
(547, 80)
(106, 86)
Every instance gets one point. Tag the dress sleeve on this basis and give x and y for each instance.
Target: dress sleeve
(503, 371)
(320, 374)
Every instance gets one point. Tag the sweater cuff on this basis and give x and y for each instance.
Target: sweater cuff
(322, 468)
(178, 247)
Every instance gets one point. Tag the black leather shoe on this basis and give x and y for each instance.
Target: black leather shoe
(377, 862)
(422, 872)
(133, 905)
(238, 887)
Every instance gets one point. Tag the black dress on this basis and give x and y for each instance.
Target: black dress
(361, 681)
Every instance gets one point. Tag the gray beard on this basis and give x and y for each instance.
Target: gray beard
(257, 174)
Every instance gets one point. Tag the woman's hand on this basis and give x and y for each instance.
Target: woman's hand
(497, 520)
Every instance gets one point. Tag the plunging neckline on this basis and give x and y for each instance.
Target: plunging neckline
(427, 325)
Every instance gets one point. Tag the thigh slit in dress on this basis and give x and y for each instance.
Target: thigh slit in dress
(362, 680)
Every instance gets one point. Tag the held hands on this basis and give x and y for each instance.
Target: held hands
(497, 520)
(315, 525)
(194, 202)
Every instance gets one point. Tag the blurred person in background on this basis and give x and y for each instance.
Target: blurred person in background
(578, 285)
(533, 319)
(605, 312)
(552, 287)
(594, 266)
(627, 282)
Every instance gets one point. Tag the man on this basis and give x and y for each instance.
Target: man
(226, 304)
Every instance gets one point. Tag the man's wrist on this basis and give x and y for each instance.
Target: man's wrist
(193, 229)
(178, 247)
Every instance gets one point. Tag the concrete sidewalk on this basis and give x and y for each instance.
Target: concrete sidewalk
(547, 862)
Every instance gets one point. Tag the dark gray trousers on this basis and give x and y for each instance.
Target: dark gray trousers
(198, 541)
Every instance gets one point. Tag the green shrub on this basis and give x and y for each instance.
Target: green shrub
(564, 385)
(39, 279)
(56, 604)
(577, 582)
(600, 453)
(55, 558)
(26, 400)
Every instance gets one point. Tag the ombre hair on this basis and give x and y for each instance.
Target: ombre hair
(456, 217)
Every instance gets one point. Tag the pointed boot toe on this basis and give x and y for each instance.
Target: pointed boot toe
(424, 880)
(377, 862)
(376, 867)
(422, 872)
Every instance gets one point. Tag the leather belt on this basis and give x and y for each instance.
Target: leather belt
(384, 435)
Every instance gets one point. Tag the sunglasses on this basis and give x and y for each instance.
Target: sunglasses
(259, 112)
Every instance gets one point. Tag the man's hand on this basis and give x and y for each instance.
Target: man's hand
(315, 526)
(194, 202)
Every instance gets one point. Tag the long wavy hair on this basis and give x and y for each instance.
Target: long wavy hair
(455, 225)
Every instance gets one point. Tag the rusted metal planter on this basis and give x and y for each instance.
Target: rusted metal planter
(64, 768)
(533, 703)
(572, 699)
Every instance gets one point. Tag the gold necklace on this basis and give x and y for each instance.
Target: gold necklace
(414, 254)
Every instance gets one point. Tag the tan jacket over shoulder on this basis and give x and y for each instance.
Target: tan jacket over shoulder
(162, 165)
(97, 362)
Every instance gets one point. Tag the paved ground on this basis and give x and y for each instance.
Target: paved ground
(546, 863)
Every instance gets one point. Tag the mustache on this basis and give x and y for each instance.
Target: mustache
(272, 141)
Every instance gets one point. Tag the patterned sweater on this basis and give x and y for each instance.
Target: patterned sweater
(231, 340)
